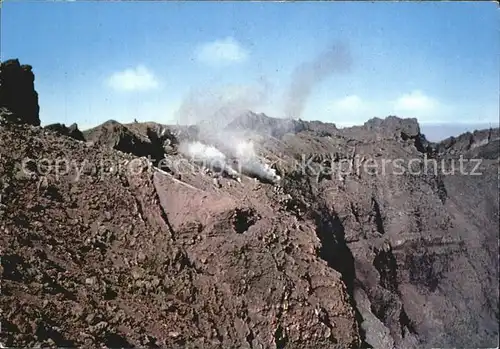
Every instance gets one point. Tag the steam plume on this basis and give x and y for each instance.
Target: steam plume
(207, 156)
(213, 109)
(250, 162)
(246, 159)
(306, 76)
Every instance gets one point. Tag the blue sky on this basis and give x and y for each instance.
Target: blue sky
(96, 61)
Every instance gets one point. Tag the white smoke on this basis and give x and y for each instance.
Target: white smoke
(213, 107)
(305, 77)
(211, 110)
(242, 153)
(249, 162)
(207, 156)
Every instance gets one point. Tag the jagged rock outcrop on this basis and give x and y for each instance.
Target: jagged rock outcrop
(262, 124)
(394, 125)
(149, 140)
(480, 143)
(71, 131)
(17, 93)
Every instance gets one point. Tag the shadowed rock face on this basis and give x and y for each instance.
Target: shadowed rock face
(391, 253)
(421, 246)
(17, 92)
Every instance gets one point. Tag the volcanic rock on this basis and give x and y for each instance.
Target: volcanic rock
(149, 140)
(262, 124)
(71, 131)
(17, 93)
